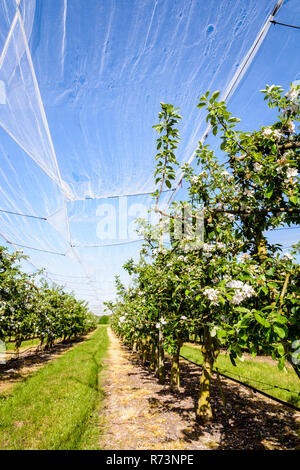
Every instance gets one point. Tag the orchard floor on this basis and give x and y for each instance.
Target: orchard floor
(30, 360)
(141, 414)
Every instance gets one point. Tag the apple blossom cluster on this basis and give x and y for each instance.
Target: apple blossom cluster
(242, 291)
(212, 295)
(162, 322)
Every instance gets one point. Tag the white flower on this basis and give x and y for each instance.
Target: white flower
(278, 134)
(235, 284)
(208, 247)
(226, 174)
(279, 169)
(248, 192)
(257, 167)
(267, 132)
(183, 317)
(291, 127)
(248, 291)
(163, 321)
(242, 291)
(288, 256)
(292, 94)
(291, 172)
(194, 179)
(157, 325)
(212, 295)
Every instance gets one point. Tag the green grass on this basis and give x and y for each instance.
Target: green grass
(59, 407)
(251, 371)
(104, 320)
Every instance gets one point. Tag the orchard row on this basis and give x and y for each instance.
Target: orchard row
(37, 310)
(234, 289)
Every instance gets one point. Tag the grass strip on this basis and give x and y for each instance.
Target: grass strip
(252, 372)
(59, 407)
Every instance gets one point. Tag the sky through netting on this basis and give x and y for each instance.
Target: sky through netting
(80, 87)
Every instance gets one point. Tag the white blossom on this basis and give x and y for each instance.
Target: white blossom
(292, 94)
(248, 192)
(194, 179)
(258, 167)
(242, 291)
(278, 134)
(226, 174)
(212, 295)
(291, 172)
(208, 247)
(291, 127)
(235, 284)
(267, 132)
(288, 256)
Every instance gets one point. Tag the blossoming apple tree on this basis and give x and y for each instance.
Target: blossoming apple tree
(233, 290)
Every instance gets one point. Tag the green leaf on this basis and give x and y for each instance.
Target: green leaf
(280, 331)
(259, 319)
(280, 349)
(281, 363)
(214, 96)
(294, 199)
(269, 191)
(221, 333)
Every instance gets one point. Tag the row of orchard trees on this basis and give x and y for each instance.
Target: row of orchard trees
(36, 310)
(235, 290)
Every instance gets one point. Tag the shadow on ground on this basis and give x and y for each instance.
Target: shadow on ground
(254, 422)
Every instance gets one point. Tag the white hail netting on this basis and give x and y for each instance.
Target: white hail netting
(80, 86)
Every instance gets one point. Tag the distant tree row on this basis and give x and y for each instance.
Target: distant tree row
(37, 310)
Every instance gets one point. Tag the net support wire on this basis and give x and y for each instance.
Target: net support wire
(234, 82)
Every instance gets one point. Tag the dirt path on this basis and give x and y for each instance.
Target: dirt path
(141, 414)
(133, 412)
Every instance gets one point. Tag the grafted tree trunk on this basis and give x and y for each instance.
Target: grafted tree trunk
(153, 358)
(261, 247)
(209, 351)
(175, 368)
(161, 358)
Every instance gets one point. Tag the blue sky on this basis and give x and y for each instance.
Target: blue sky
(80, 87)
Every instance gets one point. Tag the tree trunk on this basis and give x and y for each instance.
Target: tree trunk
(161, 359)
(175, 369)
(209, 351)
(261, 243)
(153, 359)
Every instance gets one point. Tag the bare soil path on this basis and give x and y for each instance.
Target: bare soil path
(141, 414)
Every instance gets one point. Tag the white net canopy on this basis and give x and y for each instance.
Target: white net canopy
(80, 87)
